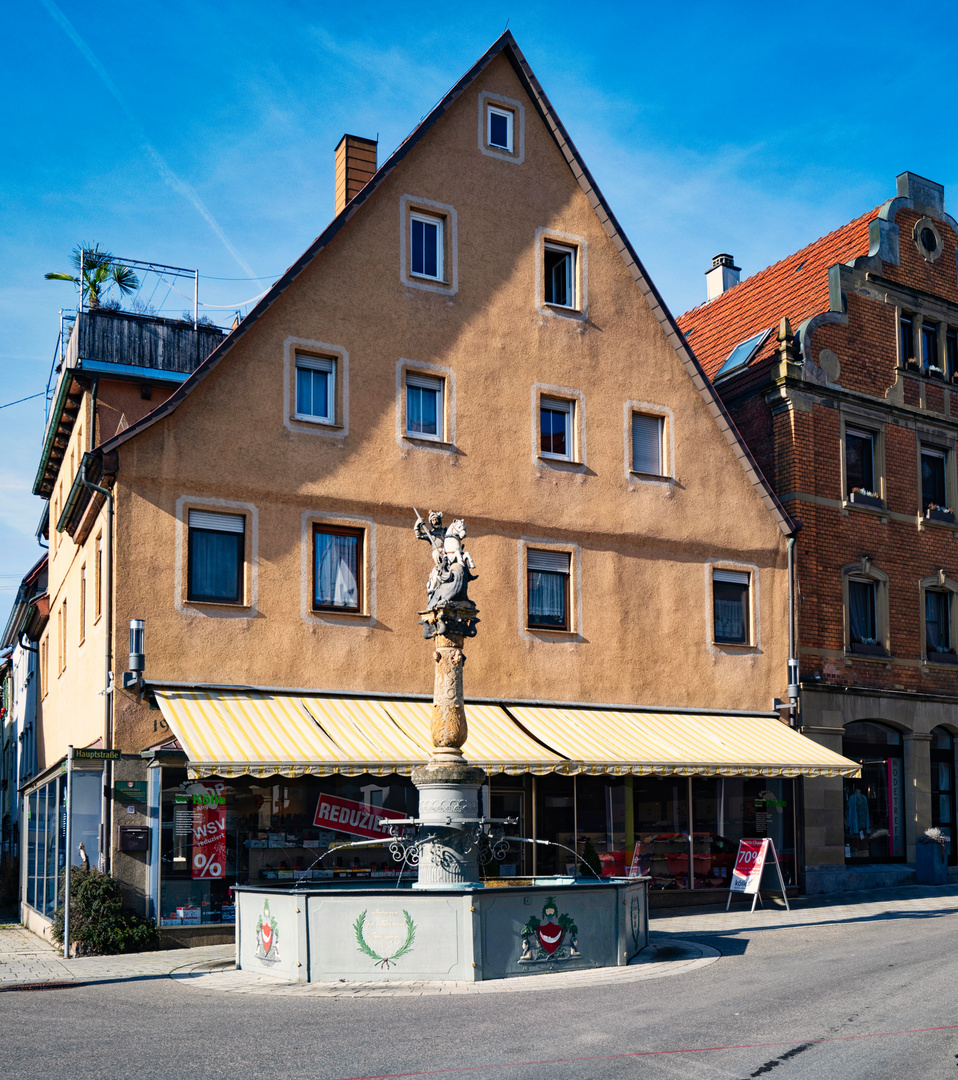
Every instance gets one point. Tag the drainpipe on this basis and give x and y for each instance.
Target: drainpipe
(792, 658)
(106, 824)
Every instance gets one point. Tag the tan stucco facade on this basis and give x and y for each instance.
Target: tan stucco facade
(641, 550)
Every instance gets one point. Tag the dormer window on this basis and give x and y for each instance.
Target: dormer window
(743, 353)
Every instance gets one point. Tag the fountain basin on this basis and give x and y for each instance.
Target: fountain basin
(387, 934)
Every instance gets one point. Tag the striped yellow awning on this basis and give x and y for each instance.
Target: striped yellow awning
(234, 732)
(679, 744)
(249, 732)
(495, 743)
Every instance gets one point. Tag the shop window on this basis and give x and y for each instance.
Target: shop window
(216, 557)
(730, 607)
(943, 788)
(874, 803)
(547, 576)
(337, 568)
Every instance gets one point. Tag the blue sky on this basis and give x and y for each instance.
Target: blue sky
(202, 134)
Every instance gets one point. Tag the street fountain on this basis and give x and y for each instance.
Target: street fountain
(448, 925)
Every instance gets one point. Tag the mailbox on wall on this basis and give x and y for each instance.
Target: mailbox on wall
(134, 838)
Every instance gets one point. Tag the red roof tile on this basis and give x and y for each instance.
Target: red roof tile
(796, 288)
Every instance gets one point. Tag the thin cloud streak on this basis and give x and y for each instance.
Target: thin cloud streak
(168, 175)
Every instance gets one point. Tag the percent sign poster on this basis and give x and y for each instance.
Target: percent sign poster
(209, 831)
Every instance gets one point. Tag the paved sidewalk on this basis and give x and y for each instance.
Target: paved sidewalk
(29, 962)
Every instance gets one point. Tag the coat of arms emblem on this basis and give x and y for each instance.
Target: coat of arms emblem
(267, 936)
(554, 937)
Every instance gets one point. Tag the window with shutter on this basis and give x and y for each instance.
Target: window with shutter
(647, 453)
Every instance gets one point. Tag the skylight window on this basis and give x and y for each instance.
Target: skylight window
(742, 353)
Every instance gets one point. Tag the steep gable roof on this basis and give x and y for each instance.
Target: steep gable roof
(795, 288)
(507, 46)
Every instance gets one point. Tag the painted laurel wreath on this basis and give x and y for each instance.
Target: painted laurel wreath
(385, 961)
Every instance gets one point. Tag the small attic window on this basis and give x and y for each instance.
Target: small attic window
(742, 353)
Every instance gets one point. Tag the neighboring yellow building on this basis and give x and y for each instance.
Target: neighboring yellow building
(472, 334)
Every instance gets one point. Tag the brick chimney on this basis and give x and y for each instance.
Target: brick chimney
(355, 166)
(722, 276)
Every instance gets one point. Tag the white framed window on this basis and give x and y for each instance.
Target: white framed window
(547, 589)
(315, 389)
(424, 406)
(500, 124)
(216, 557)
(426, 246)
(648, 444)
(556, 428)
(501, 127)
(731, 609)
(559, 275)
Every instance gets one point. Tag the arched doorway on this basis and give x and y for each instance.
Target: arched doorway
(874, 804)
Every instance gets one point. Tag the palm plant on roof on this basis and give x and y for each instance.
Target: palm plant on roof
(99, 274)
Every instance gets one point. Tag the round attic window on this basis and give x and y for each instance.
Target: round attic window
(928, 239)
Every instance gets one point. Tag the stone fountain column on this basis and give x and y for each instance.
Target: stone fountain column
(448, 785)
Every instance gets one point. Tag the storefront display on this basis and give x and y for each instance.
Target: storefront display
(217, 833)
(874, 803)
(45, 809)
(943, 789)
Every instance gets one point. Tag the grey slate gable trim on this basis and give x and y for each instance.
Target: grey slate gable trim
(506, 43)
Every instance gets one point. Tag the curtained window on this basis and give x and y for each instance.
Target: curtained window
(216, 557)
(548, 589)
(337, 563)
(730, 606)
(861, 612)
(938, 621)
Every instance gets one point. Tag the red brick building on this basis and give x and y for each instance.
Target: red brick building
(839, 365)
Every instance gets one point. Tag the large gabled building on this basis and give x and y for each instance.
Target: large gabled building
(472, 333)
(839, 365)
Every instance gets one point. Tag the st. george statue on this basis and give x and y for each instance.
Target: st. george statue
(452, 564)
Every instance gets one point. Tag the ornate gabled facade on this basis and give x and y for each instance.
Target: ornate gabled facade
(839, 365)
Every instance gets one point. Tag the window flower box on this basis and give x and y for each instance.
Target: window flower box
(860, 497)
(942, 657)
(939, 513)
(911, 364)
(934, 372)
(867, 649)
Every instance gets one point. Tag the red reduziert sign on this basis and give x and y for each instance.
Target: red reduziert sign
(749, 864)
(355, 818)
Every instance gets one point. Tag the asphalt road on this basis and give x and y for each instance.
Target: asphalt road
(867, 998)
